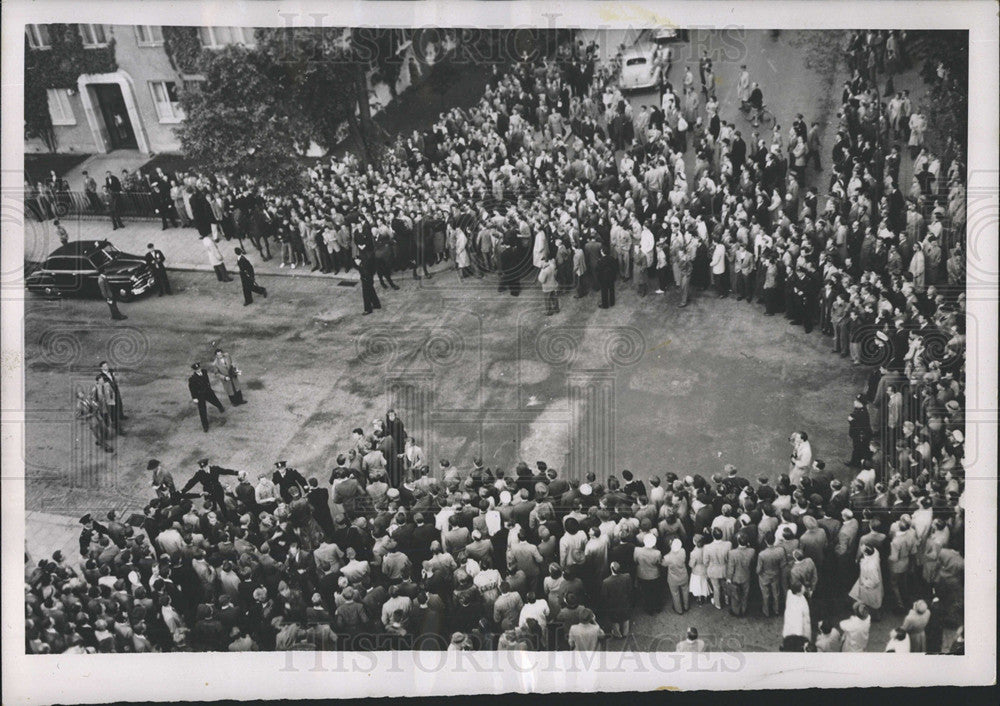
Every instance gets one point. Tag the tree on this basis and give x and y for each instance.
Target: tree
(325, 70)
(244, 119)
(946, 72)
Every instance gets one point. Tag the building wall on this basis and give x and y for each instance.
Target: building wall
(69, 138)
(142, 64)
(145, 64)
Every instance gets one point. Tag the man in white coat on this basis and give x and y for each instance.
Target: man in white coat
(718, 265)
(215, 259)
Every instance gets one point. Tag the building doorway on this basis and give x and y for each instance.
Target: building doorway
(121, 136)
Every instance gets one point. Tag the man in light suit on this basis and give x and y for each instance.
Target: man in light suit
(108, 374)
(770, 562)
(738, 563)
(716, 557)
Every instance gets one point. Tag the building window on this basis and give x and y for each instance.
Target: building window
(93, 36)
(149, 35)
(60, 109)
(218, 37)
(168, 106)
(37, 36)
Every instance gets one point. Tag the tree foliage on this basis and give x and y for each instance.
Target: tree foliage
(244, 119)
(183, 48)
(261, 107)
(946, 72)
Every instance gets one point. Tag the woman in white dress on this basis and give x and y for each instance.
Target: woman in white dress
(699, 573)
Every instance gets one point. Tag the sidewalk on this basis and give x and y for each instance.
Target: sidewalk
(183, 248)
(45, 533)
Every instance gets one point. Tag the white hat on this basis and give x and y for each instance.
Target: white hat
(504, 497)
(585, 489)
(649, 541)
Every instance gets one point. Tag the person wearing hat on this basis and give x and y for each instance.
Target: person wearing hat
(202, 394)
(285, 478)
(367, 266)
(248, 278)
(90, 533)
(859, 431)
(648, 560)
(209, 477)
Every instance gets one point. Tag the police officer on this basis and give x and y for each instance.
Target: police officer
(91, 531)
(155, 260)
(202, 393)
(209, 476)
(366, 267)
(108, 292)
(859, 431)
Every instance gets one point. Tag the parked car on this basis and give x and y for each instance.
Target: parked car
(72, 269)
(639, 69)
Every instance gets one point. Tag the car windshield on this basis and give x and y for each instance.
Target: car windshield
(104, 255)
(636, 61)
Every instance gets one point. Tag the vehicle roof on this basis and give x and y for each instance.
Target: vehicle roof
(643, 50)
(78, 247)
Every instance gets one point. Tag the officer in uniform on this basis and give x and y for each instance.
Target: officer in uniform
(155, 259)
(202, 393)
(284, 478)
(209, 476)
(366, 267)
(860, 432)
(91, 531)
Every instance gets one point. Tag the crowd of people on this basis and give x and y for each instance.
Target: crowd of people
(552, 173)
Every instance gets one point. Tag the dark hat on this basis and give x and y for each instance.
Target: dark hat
(152, 465)
(279, 464)
(202, 461)
(195, 366)
(86, 519)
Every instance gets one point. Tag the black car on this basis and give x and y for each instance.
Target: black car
(72, 270)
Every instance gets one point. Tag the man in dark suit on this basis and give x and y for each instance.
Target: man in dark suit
(108, 374)
(860, 432)
(209, 476)
(606, 272)
(200, 387)
(113, 185)
(319, 501)
(366, 267)
(248, 278)
(91, 530)
(738, 154)
(155, 260)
